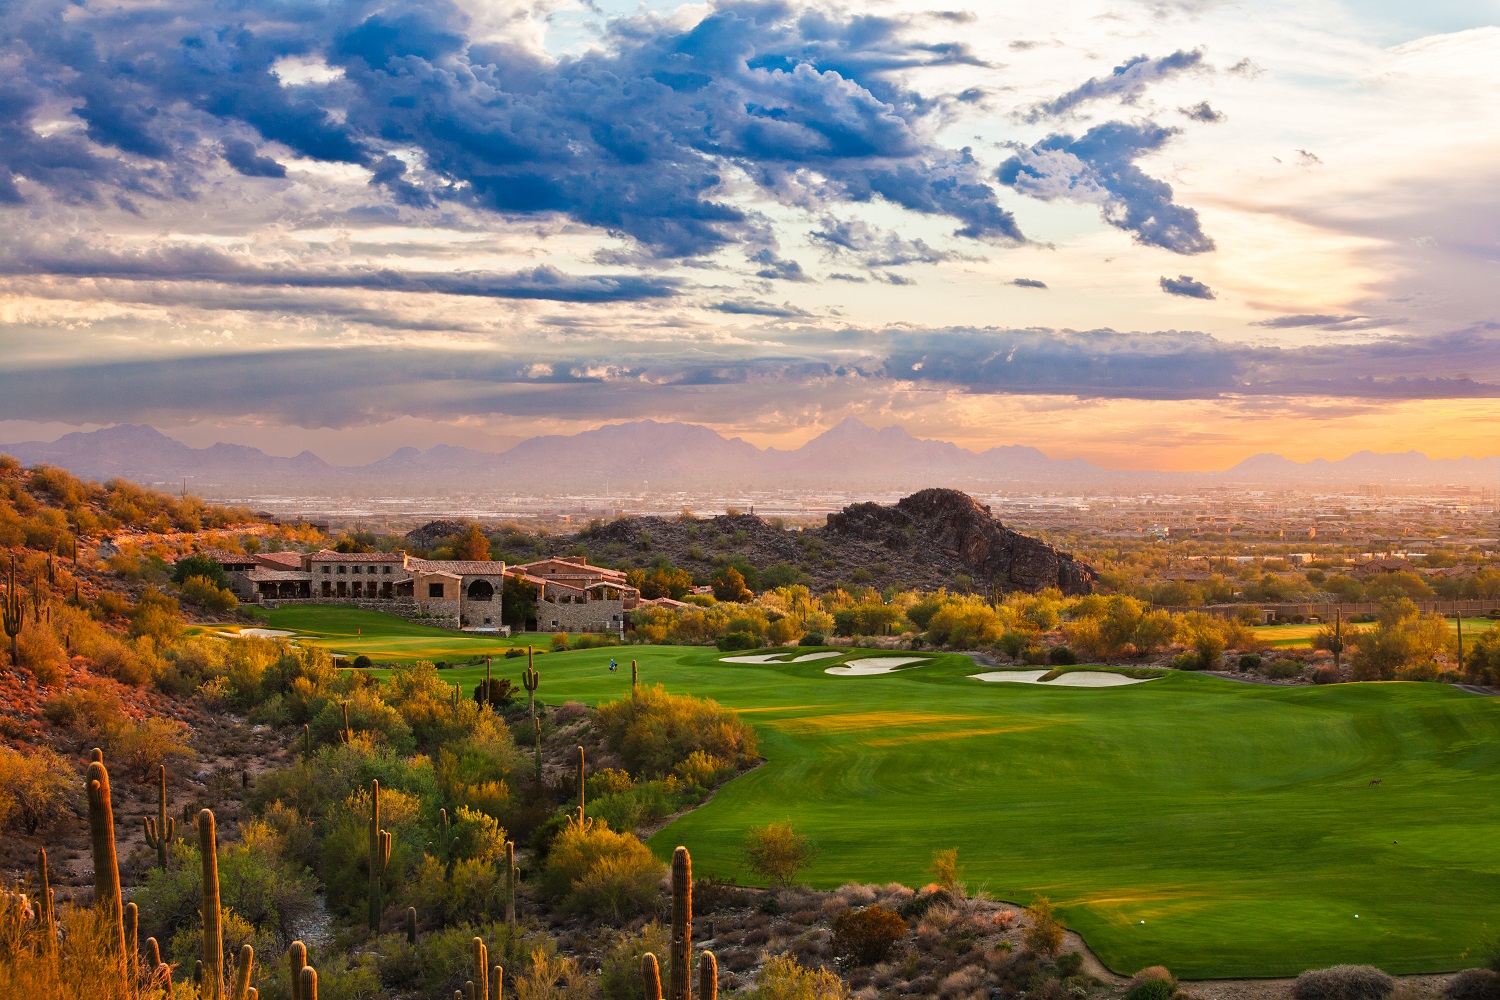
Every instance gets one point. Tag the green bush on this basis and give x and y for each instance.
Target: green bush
(601, 872)
(777, 852)
(812, 639)
(1152, 989)
(655, 731)
(1249, 661)
(1187, 660)
(1061, 656)
(736, 640)
(866, 936)
(1343, 982)
(34, 787)
(620, 972)
(1326, 674)
(1282, 669)
(783, 978)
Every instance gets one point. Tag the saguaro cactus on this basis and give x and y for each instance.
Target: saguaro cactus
(380, 856)
(346, 735)
(635, 680)
(510, 883)
(13, 613)
(106, 863)
(580, 786)
(308, 984)
(411, 925)
(650, 977)
(682, 925)
(708, 976)
(296, 958)
(306, 742)
(444, 838)
(240, 990)
(530, 681)
(481, 968)
(213, 931)
(160, 831)
(46, 916)
(132, 923)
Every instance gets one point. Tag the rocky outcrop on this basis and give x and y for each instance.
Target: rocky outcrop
(434, 533)
(962, 529)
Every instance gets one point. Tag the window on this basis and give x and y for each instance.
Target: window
(358, 570)
(434, 590)
(328, 569)
(343, 569)
(386, 570)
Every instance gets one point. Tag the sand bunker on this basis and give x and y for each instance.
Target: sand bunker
(777, 658)
(1073, 678)
(872, 665)
(258, 633)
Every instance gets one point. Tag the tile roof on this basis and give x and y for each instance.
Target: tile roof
(328, 555)
(280, 560)
(463, 567)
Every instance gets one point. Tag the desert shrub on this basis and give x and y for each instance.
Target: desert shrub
(85, 949)
(34, 787)
(1343, 982)
(1045, 935)
(344, 848)
(1061, 656)
(1249, 661)
(144, 745)
(214, 599)
(560, 642)
(1474, 984)
(1069, 963)
(812, 639)
(1326, 674)
(736, 640)
(783, 978)
(777, 852)
(655, 731)
(40, 652)
(85, 710)
(620, 972)
(1152, 988)
(945, 870)
(367, 714)
(497, 692)
(1283, 669)
(866, 936)
(1424, 671)
(1187, 660)
(602, 872)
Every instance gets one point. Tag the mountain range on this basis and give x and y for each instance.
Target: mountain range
(650, 456)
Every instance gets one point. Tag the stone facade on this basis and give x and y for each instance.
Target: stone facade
(573, 596)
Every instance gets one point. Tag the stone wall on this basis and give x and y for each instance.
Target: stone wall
(404, 607)
(592, 616)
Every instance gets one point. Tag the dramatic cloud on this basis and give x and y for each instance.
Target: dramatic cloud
(1128, 81)
(1028, 283)
(639, 136)
(875, 248)
(205, 264)
(1186, 286)
(1100, 168)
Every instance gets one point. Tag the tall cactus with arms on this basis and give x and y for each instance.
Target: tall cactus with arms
(380, 856)
(160, 831)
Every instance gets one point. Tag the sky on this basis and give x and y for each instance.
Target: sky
(1150, 233)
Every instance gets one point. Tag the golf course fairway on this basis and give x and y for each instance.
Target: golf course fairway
(1217, 828)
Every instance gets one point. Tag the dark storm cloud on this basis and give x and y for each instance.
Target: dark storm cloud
(1100, 167)
(1187, 286)
(636, 136)
(1127, 82)
(1028, 283)
(205, 264)
(754, 307)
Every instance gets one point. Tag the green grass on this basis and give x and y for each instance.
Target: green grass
(1236, 821)
(383, 637)
(1293, 636)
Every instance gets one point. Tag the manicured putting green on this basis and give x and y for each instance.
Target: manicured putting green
(1217, 828)
(385, 638)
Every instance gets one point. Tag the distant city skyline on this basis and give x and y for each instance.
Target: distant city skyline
(1152, 234)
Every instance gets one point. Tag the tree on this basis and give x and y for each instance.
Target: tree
(1045, 935)
(1401, 636)
(1401, 584)
(730, 586)
(472, 545)
(517, 603)
(777, 852)
(200, 565)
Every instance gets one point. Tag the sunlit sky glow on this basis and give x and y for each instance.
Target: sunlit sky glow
(1151, 234)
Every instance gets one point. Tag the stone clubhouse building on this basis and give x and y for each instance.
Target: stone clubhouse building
(570, 594)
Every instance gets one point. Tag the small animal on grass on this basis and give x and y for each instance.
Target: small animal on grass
(1374, 781)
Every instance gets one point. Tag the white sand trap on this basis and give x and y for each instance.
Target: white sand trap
(1075, 678)
(777, 658)
(258, 633)
(872, 665)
